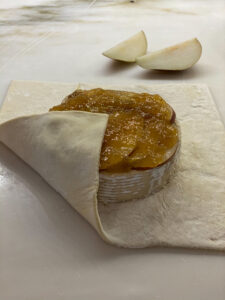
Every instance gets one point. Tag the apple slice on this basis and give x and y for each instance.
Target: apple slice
(129, 49)
(178, 57)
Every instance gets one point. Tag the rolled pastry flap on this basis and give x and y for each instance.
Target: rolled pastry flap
(64, 148)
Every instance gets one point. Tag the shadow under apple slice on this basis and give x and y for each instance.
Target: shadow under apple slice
(114, 66)
(192, 73)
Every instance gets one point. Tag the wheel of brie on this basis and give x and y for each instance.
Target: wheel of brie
(141, 142)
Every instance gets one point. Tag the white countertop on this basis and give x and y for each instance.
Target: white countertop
(63, 41)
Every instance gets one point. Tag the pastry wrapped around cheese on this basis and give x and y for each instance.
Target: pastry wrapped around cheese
(141, 141)
(65, 148)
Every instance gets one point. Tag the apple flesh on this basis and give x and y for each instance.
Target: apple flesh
(129, 49)
(178, 57)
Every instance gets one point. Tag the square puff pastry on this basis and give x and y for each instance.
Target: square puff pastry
(188, 212)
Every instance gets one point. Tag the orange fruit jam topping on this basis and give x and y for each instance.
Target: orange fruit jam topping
(141, 132)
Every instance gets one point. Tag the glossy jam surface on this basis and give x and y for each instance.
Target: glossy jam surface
(140, 131)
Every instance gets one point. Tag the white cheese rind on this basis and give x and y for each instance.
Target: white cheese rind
(135, 184)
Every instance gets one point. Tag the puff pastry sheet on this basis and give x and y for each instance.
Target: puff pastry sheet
(64, 148)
